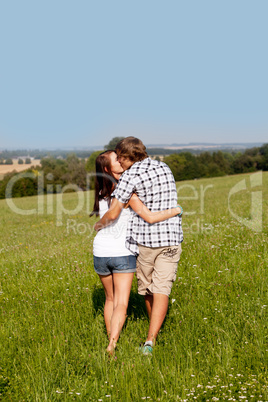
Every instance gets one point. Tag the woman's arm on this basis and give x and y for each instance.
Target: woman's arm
(152, 217)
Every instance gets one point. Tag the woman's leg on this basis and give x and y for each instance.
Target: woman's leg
(107, 282)
(122, 287)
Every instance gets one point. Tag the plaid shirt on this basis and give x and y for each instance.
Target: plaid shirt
(154, 184)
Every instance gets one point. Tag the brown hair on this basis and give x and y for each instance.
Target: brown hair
(104, 180)
(131, 148)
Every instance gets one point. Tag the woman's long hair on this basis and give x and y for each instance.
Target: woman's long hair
(104, 181)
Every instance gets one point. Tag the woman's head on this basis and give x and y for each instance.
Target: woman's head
(107, 164)
(108, 172)
(115, 167)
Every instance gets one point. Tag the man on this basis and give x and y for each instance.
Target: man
(158, 245)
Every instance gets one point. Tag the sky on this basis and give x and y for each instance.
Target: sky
(78, 73)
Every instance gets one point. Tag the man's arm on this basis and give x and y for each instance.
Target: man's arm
(111, 215)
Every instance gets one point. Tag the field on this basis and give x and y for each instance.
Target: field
(19, 168)
(213, 344)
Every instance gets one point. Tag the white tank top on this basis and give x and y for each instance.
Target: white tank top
(110, 241)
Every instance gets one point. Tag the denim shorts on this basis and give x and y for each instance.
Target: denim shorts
(117, 265)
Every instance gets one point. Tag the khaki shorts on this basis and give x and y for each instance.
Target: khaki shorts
(157, 268)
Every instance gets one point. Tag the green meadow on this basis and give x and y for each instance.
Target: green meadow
(213, 344)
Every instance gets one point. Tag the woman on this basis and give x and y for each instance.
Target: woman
(113, 262)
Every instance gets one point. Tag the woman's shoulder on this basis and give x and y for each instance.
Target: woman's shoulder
(103, 204)
(104, 201)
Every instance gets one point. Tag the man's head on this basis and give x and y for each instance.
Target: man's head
(130, 150)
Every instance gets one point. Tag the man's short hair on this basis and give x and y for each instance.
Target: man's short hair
(131, 148)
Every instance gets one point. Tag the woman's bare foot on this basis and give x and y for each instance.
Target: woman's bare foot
(111, 347)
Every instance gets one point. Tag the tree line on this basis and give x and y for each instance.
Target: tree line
(184, 165)
(9, 161)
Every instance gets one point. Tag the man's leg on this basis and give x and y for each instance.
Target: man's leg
(158, 314)
(144, 270)
(163, 276)
(149, 304)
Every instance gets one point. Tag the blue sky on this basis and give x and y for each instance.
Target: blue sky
(77, 73)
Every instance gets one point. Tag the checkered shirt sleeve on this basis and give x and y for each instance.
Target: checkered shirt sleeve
(125, 187)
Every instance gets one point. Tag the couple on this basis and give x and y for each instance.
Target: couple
(150, 229)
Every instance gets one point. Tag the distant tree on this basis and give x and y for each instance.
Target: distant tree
(72, 160)
(221, 162)
(20, 161)
(2, 161)
(114, 141)
(259, 162)
(9, 161)
(186, 166)
(54, 170)
(243, 164)
(157, 158)
(205, 158)
(214, 170)
(27, 161)
(48, 163)
(176, 163)
(90, 163)
(76, 172)
(21, 188)
(252, 151)
(229, 157)
(264, 154)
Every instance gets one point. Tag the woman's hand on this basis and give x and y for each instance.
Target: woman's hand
(153, 217)
(97, 226)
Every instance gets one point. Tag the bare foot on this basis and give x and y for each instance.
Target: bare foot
(111, 347)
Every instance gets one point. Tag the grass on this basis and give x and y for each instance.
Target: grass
(212, 346)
